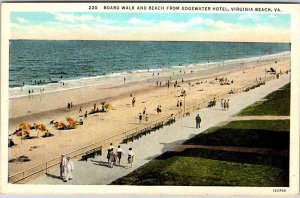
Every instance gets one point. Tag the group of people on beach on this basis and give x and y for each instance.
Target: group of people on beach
(179, 103)
(95, 109)
(224, 104)
(158, 109)
(70, 105)
(141, 116)
(168, 83)
(114, 156)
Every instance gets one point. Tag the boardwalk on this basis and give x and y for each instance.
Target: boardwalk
(95, 171)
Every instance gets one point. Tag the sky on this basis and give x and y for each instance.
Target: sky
(248, 27)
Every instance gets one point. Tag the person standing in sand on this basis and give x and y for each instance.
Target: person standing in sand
(146, 118)
(85, 115)
(225, 105)
(144, 111)
(198, 121)
(133, 101)
(80, 111)
(140, 118)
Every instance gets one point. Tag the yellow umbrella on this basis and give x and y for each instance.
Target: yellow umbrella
(25, 133)
(22, 133)
(109, 106)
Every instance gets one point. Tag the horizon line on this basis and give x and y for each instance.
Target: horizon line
(147, 40)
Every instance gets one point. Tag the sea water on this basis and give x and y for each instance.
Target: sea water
(46, 65)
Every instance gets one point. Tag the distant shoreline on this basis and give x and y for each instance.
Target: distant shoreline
(131, 76)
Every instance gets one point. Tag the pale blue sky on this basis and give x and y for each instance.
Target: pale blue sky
(147, 23)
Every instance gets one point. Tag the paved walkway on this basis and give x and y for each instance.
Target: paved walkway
(95, 171)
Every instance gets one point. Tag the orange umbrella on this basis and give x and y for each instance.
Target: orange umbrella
(60, 125)
(25, 126)
(71, 122)
(41, 127)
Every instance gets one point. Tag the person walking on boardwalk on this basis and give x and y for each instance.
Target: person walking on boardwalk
(222, 104)
(227, 104)
(140, 118)
(109, 157)
(120, 153)
(63, 164)
(130, 157)
(198, 121)
(214, 102)
(69, 168)
(111, 146)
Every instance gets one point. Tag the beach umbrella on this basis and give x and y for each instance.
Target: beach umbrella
(60, 125)
(41, 127)
(69, 119)
(109, 106)
(25, 126)
(22, 133)
(72, 122)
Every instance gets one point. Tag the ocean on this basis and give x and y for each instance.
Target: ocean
(36, 64)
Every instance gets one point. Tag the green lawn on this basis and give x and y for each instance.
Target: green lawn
(277, 103)
(193, 171)
(207, 167)
(251, 133)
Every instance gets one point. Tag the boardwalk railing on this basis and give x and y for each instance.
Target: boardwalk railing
(124, 137)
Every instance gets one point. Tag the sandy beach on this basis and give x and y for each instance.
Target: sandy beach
(42, 108)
